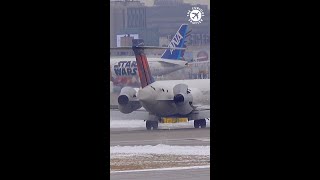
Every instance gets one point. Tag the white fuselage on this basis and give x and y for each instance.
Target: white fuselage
(157, 98)
(127, 66)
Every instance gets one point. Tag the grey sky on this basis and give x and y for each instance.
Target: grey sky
(204, 2)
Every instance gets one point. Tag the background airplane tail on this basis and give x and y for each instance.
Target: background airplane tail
(142, 63)
(178, 40)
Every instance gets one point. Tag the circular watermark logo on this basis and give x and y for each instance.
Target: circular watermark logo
(195, 15)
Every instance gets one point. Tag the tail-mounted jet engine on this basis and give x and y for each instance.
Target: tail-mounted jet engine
(127, 100)
(183, 99)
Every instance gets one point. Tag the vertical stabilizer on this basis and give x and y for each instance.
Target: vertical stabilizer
(142, 63)
(178, 40)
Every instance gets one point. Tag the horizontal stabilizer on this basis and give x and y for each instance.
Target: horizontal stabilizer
(181, 63)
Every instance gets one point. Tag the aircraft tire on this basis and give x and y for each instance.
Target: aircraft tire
(196, 123)
(203, 123)
(148, 125)
(151, 125)
(155, 124)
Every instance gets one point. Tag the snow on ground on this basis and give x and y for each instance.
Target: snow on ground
(163, 169)
(165, 157)
(127, 123)
(142, 124)
(160, 149)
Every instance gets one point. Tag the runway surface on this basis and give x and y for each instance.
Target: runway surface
(183, 137)
(126, 133)
(176, 174)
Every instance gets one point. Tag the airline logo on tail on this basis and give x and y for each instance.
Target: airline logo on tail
(175, 41)
(178, 40)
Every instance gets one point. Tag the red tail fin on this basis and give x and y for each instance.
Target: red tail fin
(142, 63)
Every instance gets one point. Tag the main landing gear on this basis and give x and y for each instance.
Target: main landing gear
(200, 123)
(151, 125)
(154, 124)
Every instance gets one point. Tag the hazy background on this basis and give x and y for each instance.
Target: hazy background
(205, 2)
(156, 22)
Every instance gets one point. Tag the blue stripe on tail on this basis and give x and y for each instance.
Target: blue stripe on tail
(178, 40)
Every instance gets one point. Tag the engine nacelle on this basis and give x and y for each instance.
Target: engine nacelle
(183, 99)
(127, 100)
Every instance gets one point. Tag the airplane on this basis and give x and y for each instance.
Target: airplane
(161, 100)
(195, 14)
(124, 69)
